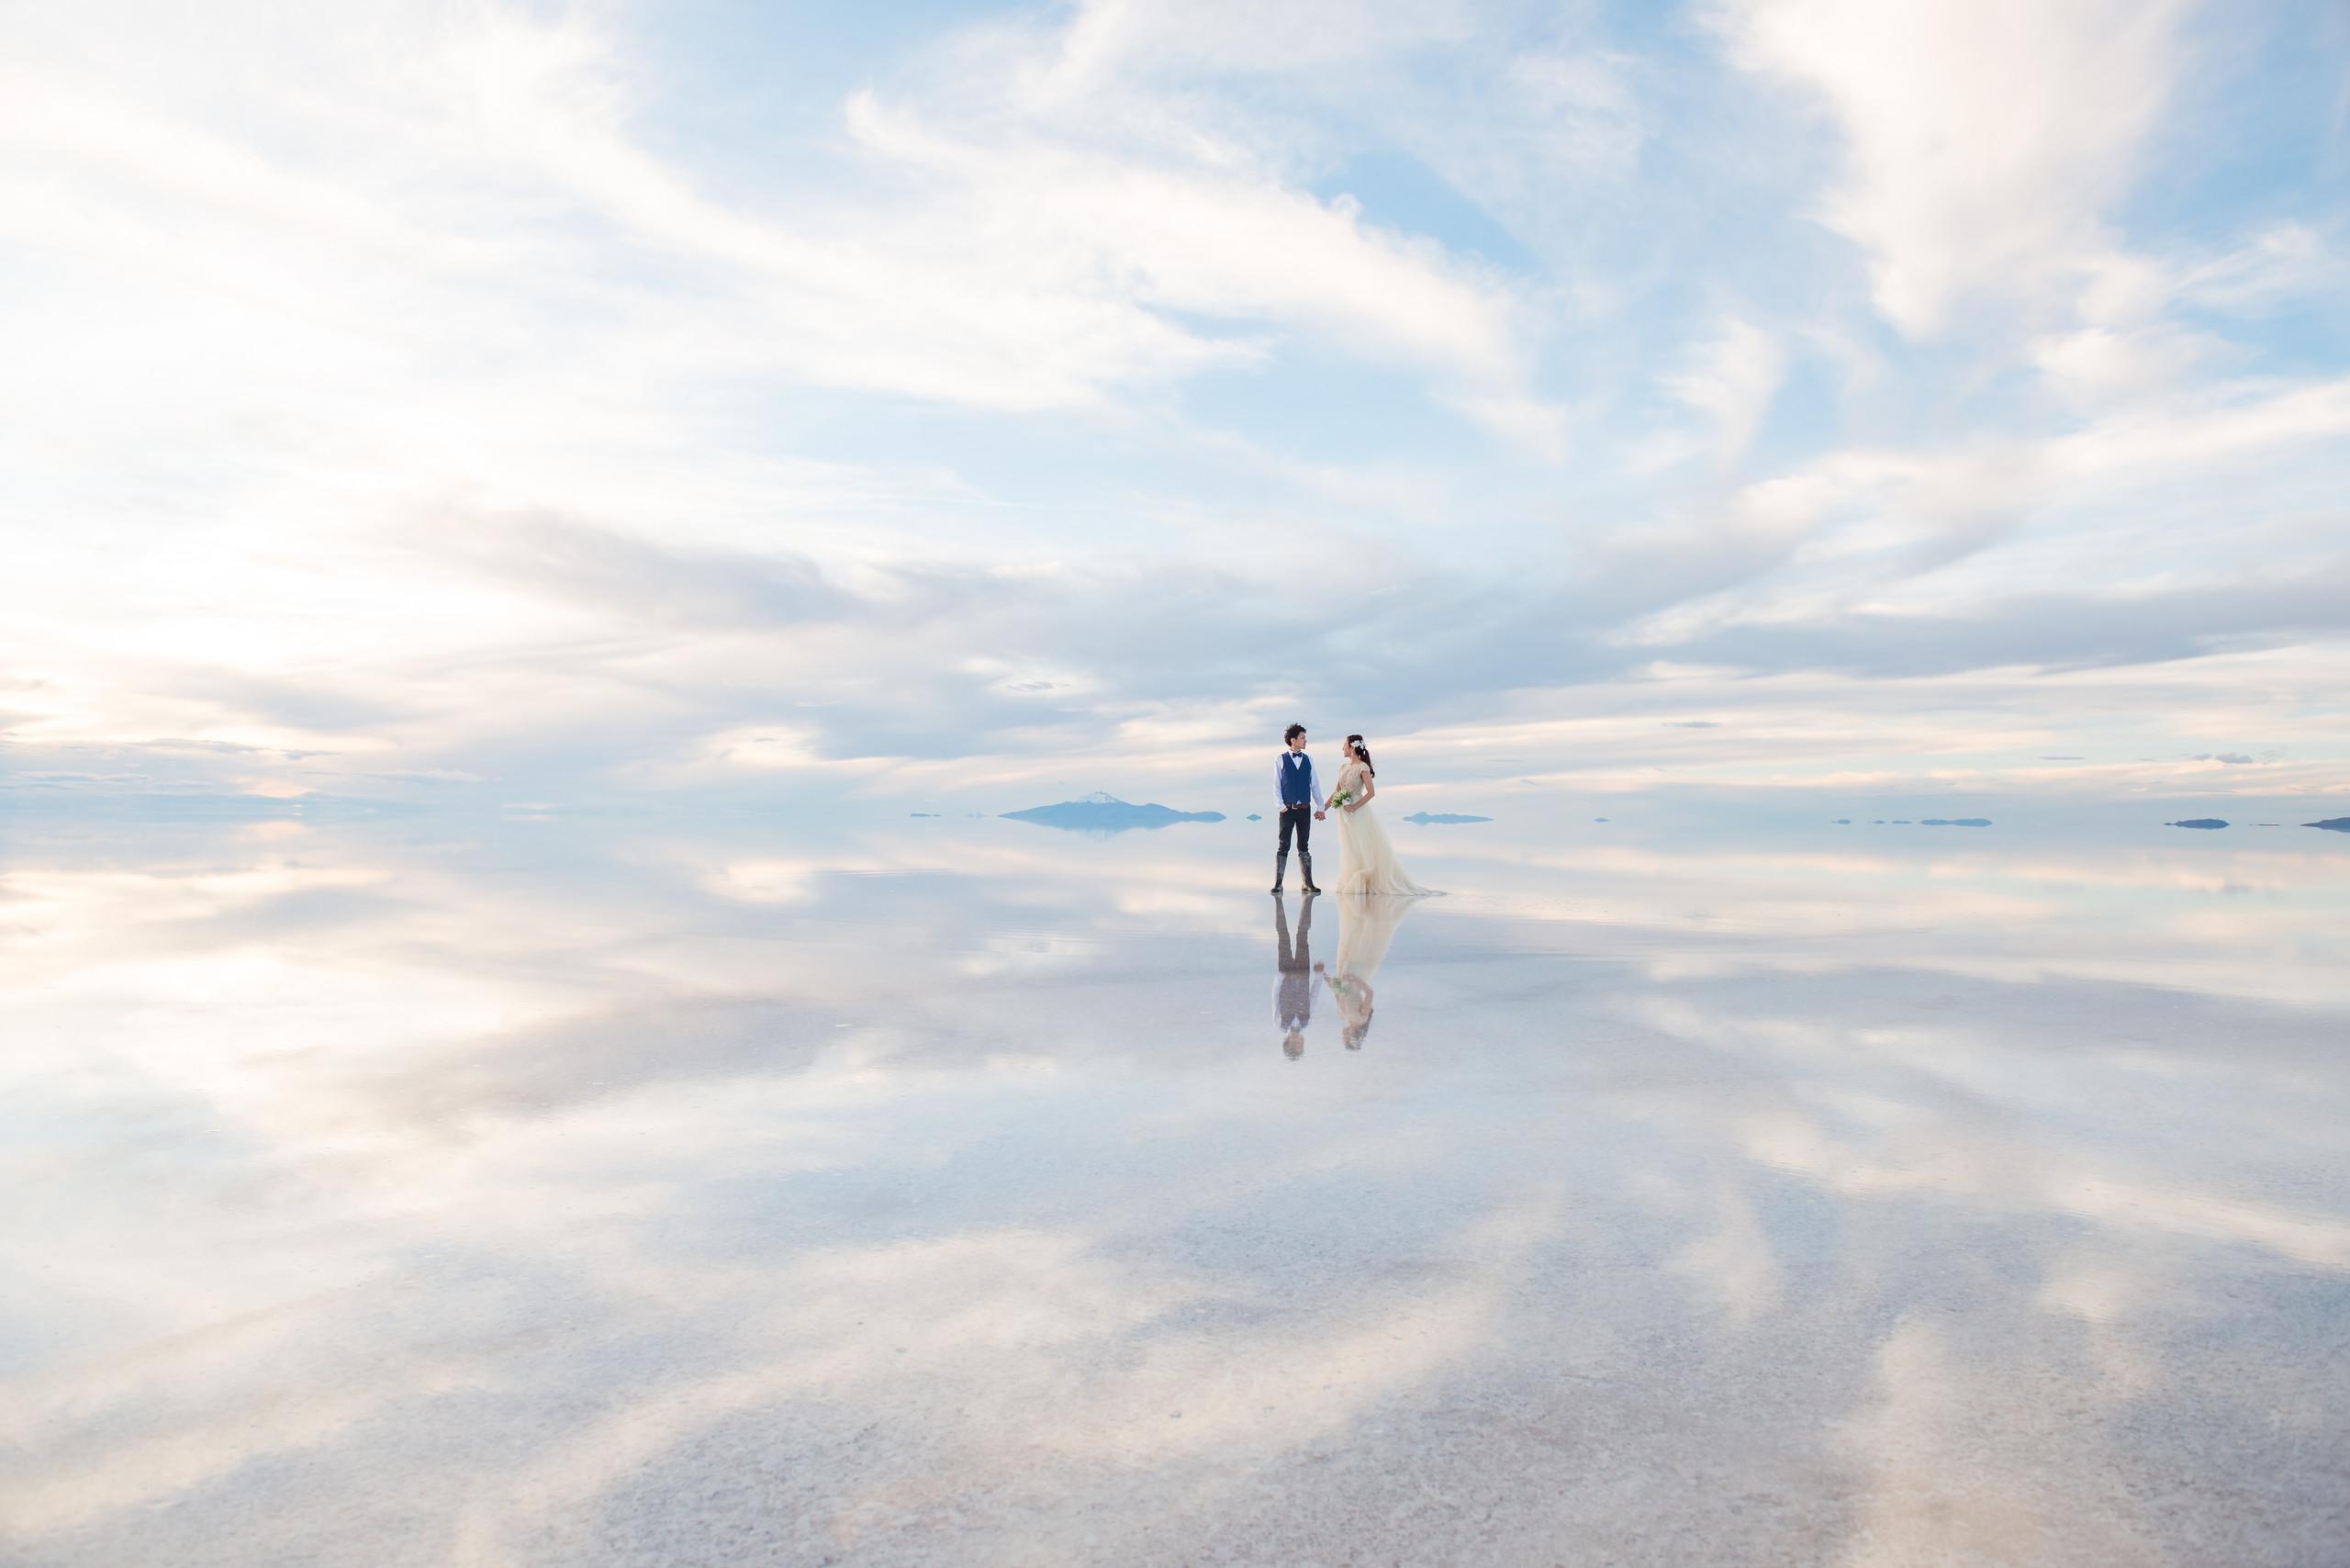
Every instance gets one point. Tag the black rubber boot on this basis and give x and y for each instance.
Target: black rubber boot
(1281, 870)
(1305, 864)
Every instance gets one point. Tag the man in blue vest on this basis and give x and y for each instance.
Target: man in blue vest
(1301, 807)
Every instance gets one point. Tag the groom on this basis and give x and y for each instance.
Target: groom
(1301, 807)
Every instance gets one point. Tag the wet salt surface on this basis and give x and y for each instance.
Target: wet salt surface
(623, 1194)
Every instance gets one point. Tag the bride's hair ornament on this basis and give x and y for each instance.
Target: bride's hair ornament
(1355, 744)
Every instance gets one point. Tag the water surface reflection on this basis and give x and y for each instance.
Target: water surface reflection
(401, 1194)
(1370, 929)
(1294, 996)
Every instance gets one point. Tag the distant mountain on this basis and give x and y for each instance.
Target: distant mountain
(1954, 821)
(2331, 824)
(2199, 821)
(1439, 818)
(1099, 812)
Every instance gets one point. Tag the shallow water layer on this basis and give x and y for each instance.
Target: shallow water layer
(623, 1191)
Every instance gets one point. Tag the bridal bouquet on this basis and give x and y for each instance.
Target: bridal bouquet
(1339, 801)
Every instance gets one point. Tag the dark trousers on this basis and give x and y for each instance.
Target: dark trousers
(1298, 819)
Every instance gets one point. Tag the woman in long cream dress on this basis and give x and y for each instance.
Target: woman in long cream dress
(1366, 862)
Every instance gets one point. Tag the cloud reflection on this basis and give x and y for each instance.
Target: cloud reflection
(594, 1187)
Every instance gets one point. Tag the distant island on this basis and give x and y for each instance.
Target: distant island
(2331, 824)
(1954, 821)
(2199, 821)
(1425, 818)
(1100, 813)
(1254, 818)
(922, 813)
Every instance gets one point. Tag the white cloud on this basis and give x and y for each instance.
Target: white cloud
(2097, 365)
(1732, 380)
(1110, 42)
(1958, 530)
(2285, 261)
(1217, 243)
(1985, 139)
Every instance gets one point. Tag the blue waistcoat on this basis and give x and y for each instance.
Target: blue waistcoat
(1296, 781)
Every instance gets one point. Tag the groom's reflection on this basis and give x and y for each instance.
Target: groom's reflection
(1293, 992)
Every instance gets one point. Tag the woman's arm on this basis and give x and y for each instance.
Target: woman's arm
(1370, 788)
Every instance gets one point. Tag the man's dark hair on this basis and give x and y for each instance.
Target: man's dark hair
(1293, 733)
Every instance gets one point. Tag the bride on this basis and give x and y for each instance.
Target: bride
(1366, 862)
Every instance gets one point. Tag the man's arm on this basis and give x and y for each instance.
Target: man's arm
(1313, 785)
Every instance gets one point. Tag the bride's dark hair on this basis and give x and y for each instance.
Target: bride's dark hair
(1354, 743)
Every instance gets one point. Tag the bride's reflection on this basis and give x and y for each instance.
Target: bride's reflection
(1367, 925)
(1293, 992)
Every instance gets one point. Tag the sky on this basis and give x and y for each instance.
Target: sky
(930, 403)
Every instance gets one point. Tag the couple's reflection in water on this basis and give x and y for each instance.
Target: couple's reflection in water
(1366, 924)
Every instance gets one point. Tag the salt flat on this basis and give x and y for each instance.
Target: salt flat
(627, 1190)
